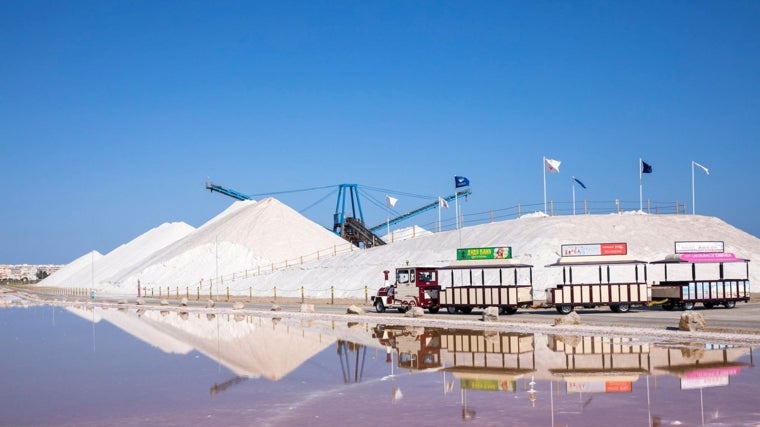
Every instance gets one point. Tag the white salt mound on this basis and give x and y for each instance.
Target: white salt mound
(249, 235)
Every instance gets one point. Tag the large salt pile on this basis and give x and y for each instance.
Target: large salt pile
(247, 235)
(535, 240)
(106, 269)
(80, 266)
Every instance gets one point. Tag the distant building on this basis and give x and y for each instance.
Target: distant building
(26, 272)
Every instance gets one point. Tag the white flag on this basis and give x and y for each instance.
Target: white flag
(551, 165)
(702, 167)
(390, 201)
(442, 203)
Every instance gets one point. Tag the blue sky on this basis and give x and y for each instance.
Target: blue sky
(114, 114)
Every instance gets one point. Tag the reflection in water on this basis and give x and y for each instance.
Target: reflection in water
(224, 369)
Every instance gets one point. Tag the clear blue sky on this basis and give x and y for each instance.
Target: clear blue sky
(113, 114)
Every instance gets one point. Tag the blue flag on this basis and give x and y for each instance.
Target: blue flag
(460, 181)
(579, 182)
(646, 167)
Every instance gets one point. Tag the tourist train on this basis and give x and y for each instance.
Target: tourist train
(490, 277)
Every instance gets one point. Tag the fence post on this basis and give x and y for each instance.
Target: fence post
(250, 293)
(332, 295)
(198, 298)
(518, 210)
(228, 293)
(301, 294)
(366, 294)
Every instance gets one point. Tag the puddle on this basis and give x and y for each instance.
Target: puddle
(67, 367)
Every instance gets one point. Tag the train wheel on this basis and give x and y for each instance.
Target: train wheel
(688, 305)
(729, 304)
(708, 304)
(451, 309)
(379, 307)
(466, 310)
(623, 308)
(509, 310)
(564, 309)
(433, 309)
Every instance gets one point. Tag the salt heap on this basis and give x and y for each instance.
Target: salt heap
(80, 266)
(535, 240)
(253, 234)
(246, 235)
(105, 270)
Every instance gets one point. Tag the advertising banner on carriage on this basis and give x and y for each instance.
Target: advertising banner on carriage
(595, 249)
(496, 252)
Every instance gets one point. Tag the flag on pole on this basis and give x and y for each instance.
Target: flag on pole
(646, 167)
(460, 181)
(702, 167)
(442, 203)
(390, 201)
(551, 165)
(579, 182)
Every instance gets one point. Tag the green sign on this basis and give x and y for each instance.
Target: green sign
(499, 252)
(487, 384)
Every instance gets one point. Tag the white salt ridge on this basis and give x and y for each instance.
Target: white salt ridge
(405, 234)
(108, 268)
(245, 236)
(78, 267)
(251, 234)
(534, 240)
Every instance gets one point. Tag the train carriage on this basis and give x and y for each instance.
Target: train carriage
(707, 283)
(601, 258)
(470, 284)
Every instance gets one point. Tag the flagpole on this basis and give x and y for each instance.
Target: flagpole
(573, 179)
(693, 203)
(641, 187)
(456, 207)
(543, 168)
(439, 214)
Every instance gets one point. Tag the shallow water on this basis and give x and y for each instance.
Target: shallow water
(67, 366)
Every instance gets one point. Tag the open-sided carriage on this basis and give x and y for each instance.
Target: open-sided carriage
(470, 284)
(602, 257)
(707, 282)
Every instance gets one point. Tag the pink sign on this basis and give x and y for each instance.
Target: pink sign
(713, 372)
(709, 257)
